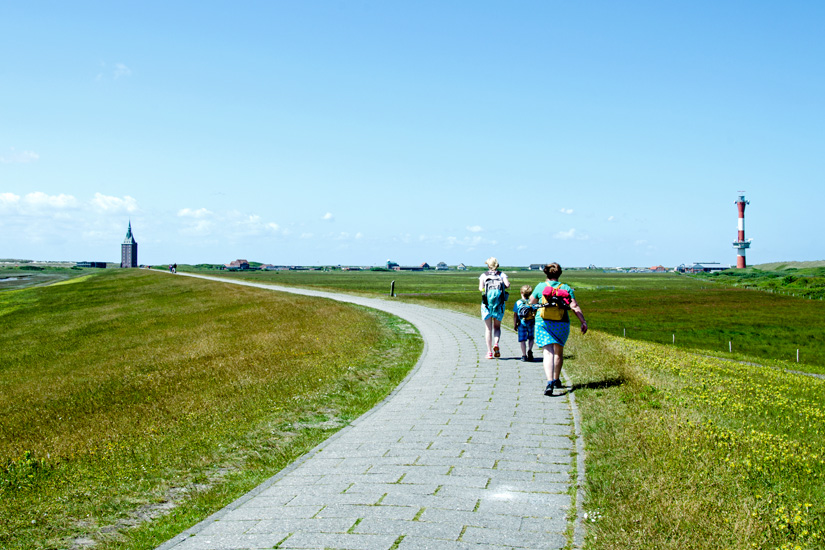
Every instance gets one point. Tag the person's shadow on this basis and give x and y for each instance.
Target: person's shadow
(595, 385)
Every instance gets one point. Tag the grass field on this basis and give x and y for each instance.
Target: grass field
(131, 395)
(667, 308)
(689, 446)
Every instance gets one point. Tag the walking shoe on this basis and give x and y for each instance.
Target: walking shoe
(530, 355)
(557, 383)
(524, 358)
(489, 355)
(548, 390)
(496, 352)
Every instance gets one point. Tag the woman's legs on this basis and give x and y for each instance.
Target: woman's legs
(488, 334)
(552, 359)
(492, 333)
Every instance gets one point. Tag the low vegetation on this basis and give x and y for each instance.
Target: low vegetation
(802, 282)
(691, 452)
(133, 395)
(668, 308)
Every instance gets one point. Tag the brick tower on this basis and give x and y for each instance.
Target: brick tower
(128, 250)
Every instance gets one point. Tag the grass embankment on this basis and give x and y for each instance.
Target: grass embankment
(135, 395)
(655, 307)
(691, 452)
(803, 282)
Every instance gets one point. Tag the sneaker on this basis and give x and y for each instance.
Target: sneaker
(524, 358)
(548, 390)
(489, 355)
(496, 352)
(557, 384)
(530, 355)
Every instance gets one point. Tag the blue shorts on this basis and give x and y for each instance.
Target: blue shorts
(526, 330)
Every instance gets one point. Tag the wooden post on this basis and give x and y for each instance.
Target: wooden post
(392, 289)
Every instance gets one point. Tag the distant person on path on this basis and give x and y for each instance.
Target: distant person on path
(553, 322)
(524, 321)
(493, 285)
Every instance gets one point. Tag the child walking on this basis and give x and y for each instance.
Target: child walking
(524, 321)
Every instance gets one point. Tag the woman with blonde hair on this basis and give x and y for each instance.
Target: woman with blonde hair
(493, 285)
(551, 335)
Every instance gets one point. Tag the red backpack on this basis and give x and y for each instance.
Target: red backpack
(555, 302)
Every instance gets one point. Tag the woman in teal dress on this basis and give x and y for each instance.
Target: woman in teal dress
(552, 335)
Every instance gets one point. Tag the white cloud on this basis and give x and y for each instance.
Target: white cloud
(21, 157)
(359, 235)
(8, 201)
(121, 70)
(566, 210)
(474, 228)
(189, 213)
(105, 203)
(570, 234)
(39, 200)
(306, 235)
(328, 216)
(611, 219)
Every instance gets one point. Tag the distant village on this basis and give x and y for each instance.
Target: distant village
(129, 258)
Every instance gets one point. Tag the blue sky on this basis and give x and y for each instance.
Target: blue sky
(352, 132)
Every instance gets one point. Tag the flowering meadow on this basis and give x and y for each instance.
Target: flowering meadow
(685, 450)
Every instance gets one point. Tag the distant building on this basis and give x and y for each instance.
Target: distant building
(101, 265)
(705, 267)
(537, 267)
(461, 267)
(129, 250)
(658, 269)
(391, 264)
(425, 265)
(441, 266)
(237, 265)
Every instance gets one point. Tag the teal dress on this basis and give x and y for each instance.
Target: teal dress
(552, 332)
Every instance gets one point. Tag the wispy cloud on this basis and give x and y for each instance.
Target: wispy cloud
(569, 235)
(121, 70)
(475, 228)
(18, 157)
(328, 216)
(611, 219)
(110, 204)
(189, 213)
(566, 210)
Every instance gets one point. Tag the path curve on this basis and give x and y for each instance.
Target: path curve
(465, 453)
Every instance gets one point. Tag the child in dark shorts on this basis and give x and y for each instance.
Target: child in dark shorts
(525, 326)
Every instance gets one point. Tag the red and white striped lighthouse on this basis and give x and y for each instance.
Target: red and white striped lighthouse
(741, 244)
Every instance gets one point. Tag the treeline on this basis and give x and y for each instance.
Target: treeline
(802, 282)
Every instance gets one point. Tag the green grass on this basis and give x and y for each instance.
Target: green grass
(690, 452)
(656, 307)
(24, 276)
(132, 391)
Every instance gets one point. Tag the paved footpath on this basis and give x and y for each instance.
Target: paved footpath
(466, 453)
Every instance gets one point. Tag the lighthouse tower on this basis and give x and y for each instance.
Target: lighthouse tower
(741, 244)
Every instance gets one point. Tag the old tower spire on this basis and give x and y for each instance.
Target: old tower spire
(129, 250)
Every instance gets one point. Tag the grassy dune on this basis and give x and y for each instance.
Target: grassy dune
(135, 395)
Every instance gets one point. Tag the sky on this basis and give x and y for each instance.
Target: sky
(352, 132)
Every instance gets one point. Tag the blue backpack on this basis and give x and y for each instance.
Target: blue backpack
(495, 293)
